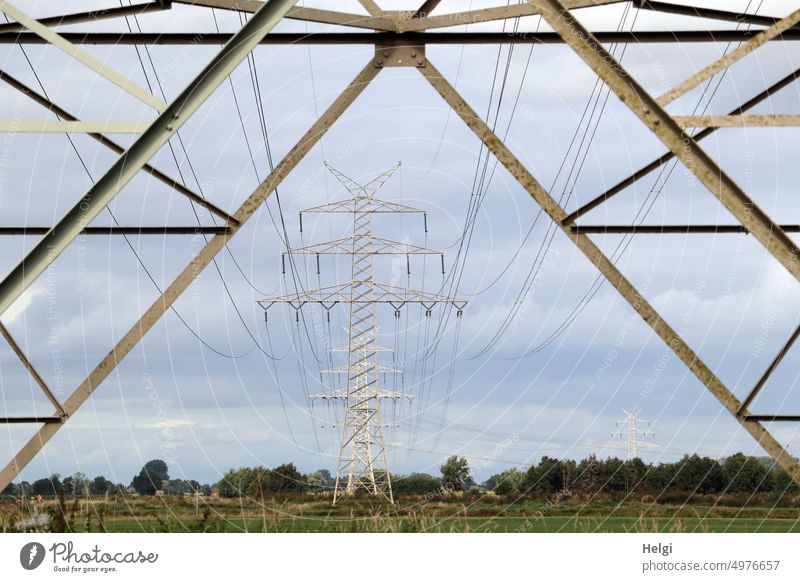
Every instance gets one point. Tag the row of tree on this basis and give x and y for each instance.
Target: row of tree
(738, 473)
(735, 474)
(154, 476)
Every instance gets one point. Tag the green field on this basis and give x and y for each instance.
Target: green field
(481, 514)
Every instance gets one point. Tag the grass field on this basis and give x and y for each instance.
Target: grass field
(483, 514)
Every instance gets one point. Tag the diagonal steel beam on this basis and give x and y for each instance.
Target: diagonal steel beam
(760, 120)
(191, 271)
(91, 16)
(48, 126)
(703, 12)
(371, 7)
(727, 60)
(115, 147)
(768, 372)
(31, 370)
(119, 230)
(428, 7)
(685, 148)
(669, 228)
(139, 153)
(607, 268)
(374, 22)
(488, 15)
(657, 163)
(82, 56)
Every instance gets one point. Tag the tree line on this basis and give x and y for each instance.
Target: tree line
(737, 473)
(154, 476)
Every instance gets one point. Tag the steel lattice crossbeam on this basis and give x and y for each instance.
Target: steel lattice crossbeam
(406, 31)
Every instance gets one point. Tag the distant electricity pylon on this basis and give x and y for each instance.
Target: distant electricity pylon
(363, 465)
(632, 432)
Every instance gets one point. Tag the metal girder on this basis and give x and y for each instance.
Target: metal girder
(139, 153)
(115, 147)
(190, 272)
(685, 148)
(669, 228)
(119, 230)
(342, 293)
(30, 126)
(374, 22)
(31, 420)
(82, 56)
(703, 12)
(727, 60)
(90, 16)
(371, 7)
(607, 268)
(31, 370)
(658, 162)
(428, 7)
(768, 372)
(773, 120)
(416, 38)
(773, 417)
(488, 15)
(344, 246)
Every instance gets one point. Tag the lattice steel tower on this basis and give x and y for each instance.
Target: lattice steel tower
(632, 432)
(363, 464)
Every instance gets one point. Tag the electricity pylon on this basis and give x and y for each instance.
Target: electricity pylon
(632, 432)
(363, 464)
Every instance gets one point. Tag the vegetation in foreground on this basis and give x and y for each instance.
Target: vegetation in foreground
(454, 512)
(695, 494)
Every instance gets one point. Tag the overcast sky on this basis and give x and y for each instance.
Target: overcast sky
(553, 382)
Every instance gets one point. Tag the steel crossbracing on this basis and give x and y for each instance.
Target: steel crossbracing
(363, 463)
(400, 38)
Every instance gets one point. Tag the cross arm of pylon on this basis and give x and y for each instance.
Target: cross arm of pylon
(346, 370)
(374, 206)
(380, 246)
(342, 395)
(329, 296)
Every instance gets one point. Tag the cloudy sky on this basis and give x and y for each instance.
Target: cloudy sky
(545, 358)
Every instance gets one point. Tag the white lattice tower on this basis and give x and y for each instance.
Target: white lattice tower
(362, 422)
(631, 431)
(363, 463)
